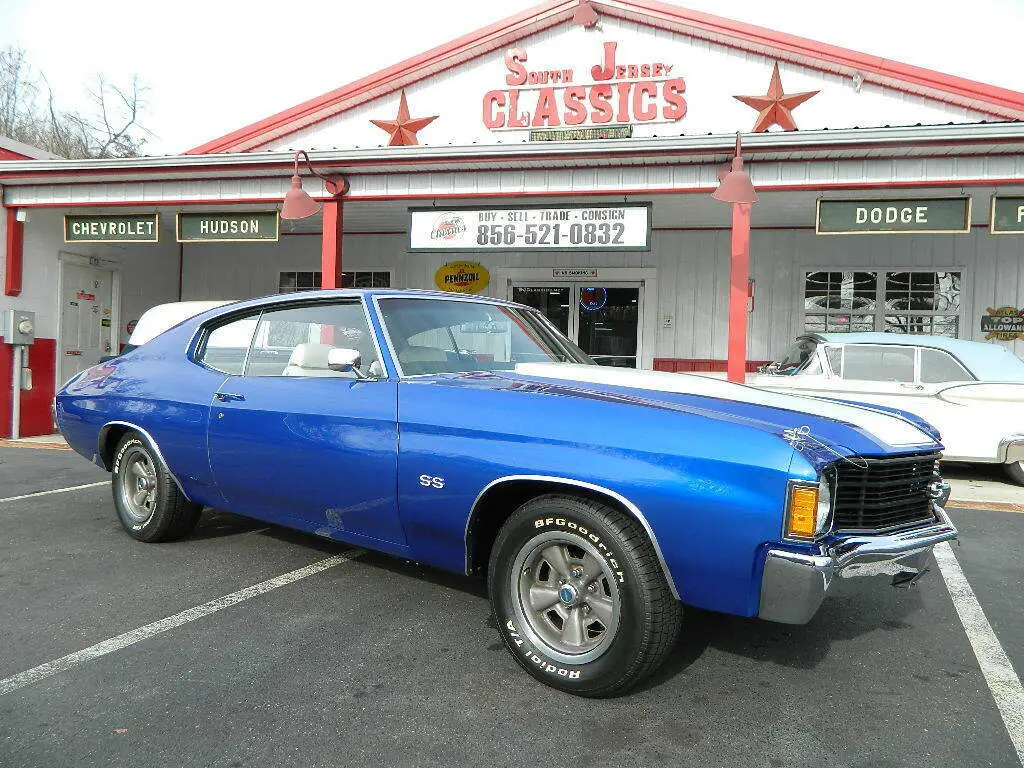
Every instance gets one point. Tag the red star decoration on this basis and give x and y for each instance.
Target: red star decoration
(775, 107)
(403, 128)
(584, 15)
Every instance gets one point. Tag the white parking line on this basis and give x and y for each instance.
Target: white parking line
(995, 665)
(55, 490)
(64, 663)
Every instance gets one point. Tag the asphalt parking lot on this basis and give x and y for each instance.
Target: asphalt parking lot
(375, 661)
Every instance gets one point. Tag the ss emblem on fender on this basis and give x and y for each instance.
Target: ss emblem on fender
(431, 482)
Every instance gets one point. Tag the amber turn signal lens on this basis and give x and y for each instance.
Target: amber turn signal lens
(803, 511)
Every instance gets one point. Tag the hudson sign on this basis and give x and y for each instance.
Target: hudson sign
(546, 95)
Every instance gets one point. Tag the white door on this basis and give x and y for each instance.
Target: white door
(604, 318)
(86, 330)
(909, 379)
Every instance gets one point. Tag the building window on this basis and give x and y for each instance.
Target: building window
(897, 302)
(840, 301)
(366, 280)
(922, 302)
(290, 282)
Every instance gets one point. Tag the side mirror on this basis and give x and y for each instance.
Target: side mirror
(344, 360)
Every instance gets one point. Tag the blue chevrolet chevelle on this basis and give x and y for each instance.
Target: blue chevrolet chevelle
(469, 434)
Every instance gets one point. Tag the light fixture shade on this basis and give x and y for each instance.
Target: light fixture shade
(297, 203)
(736, 187)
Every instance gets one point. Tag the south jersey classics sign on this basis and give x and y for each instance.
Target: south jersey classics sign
(598, 227)
(602, 91)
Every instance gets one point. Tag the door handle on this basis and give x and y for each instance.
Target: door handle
(227, 397)
(912, 386)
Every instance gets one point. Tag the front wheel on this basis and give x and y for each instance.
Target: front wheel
(1015, 471)
(149, 503)
(580, 597)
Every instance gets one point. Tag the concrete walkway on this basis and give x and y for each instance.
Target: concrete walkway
(41, 441)
(983, 486)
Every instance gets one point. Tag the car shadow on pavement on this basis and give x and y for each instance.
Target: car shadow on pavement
(216, 523)
(841, 617)
(847, 613)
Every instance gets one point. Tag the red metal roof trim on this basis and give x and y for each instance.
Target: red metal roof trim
(6, 154)
(961, 91)
(393, 78)
(989, 99)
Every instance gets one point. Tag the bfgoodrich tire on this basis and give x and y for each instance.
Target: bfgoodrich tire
(580, 597)
(149, 503)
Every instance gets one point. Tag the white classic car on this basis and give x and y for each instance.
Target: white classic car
(972, 392)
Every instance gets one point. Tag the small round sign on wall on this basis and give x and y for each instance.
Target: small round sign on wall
(462, 277)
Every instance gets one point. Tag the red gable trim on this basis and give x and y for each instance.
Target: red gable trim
(388, 80)
(801, 50)
(6, 154)
(988, 99)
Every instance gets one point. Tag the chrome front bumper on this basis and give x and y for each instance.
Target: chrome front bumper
(794, 584)
(1011, 449)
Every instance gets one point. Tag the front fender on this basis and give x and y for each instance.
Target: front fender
(711, 493)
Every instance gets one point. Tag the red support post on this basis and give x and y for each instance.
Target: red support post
(14, 246)
(330, 244)
(738, 277)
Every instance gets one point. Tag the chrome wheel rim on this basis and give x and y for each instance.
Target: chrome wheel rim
(138, 485)
(566, 597)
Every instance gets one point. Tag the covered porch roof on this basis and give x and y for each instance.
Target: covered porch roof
(898, 157)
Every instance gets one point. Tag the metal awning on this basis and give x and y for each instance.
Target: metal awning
(854, 143)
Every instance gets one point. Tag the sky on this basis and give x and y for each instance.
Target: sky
(217, 65)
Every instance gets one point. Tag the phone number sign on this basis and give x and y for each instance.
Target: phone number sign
(598, 227)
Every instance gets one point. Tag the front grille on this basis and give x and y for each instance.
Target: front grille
(887, 493)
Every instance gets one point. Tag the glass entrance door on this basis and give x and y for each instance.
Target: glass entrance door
(602, 318)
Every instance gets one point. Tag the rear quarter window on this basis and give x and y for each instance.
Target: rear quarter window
(939, 367)
(225, 347)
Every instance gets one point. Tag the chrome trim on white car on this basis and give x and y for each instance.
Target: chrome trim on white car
(1011, 449)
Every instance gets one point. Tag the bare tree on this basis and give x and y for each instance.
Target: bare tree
(108, 127)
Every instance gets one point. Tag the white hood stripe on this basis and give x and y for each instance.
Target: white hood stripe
(889, 428)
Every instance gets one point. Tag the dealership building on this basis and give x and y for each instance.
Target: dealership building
(565, 158)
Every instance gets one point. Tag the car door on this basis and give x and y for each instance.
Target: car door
(291, 440)
(889, 375)
(966, 430)
(874, 373)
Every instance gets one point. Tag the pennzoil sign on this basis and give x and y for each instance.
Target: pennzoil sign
(609, 91)
(462, 277)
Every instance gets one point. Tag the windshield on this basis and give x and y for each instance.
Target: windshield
(799, 359)
(451, 336)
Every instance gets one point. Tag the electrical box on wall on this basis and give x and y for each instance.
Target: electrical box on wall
(19, 326)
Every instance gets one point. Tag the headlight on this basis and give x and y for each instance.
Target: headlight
(808, 509)
(824, 506)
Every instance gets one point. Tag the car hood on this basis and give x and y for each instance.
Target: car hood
(822, 428)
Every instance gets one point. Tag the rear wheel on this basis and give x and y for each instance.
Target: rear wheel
(149, 503)
(580, 597)
(1015, 470)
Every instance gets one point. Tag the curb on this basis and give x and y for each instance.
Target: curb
(5, 443)
(995, 506)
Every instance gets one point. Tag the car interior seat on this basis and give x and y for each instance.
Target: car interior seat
(310, 359)
(418, 354)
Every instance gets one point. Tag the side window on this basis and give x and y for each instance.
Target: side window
(226, 345)
(297, 340)
(878, 362)
(938, 367)
(834, 356)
